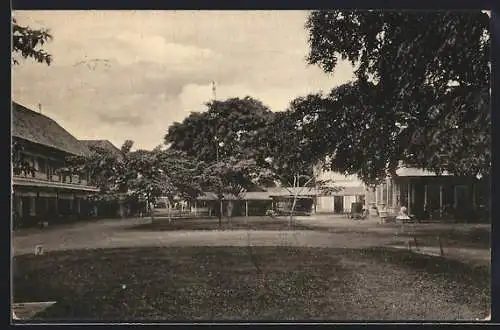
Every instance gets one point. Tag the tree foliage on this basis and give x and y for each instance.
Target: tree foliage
(26, 42)
(228, 129)
(421, 93)
(141, 173)
(226, 142)
(291, 154)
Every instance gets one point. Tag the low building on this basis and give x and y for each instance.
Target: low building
(428, 196)
(350, 190)
(43, 195)
(247, 204)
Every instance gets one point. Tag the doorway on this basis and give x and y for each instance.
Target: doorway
(338, 204)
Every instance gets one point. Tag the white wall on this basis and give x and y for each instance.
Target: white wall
(324, 204)
(339, 179)
(347, 202)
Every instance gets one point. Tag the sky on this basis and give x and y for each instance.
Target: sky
(120, 75)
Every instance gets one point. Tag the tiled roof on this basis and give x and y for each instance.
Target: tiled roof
(35, 127)
(255, 195)
(412, 171)
(103, 144)
(285, 192)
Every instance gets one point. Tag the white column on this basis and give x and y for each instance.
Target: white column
(195, 212)
(394, 195)
(387, 184)
(246, 207)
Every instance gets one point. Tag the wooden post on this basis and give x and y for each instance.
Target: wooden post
(246, 207)
(20, 207)
(441, 251)
(440, 200)
(474, 196)
(455, 197)
(425, 197)
(409, 199)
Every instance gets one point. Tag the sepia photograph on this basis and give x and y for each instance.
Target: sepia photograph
(250, 166)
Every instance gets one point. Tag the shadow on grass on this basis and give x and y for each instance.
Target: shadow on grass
(479, 238)
(258, 283)
(476, 275)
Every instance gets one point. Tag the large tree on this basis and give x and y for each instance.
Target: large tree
(226, 141)
(291, 156)
(227, 128)
(421, 93)
(168, 173)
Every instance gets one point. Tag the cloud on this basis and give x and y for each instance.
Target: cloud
(131, 120)
(121, 75)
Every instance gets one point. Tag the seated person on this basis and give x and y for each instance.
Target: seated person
(403, 214)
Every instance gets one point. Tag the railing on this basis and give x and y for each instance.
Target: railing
(70, 179)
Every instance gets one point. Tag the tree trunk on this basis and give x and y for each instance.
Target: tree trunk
(168, 211)
(291, 211)
(230, 206)
(220, 212)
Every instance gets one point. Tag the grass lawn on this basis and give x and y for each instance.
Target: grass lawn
(257, 283)
(236, 223)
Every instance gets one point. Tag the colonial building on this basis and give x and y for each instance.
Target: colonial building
(43, 195)
(427, 195)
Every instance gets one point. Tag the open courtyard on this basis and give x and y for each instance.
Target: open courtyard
(324, 268)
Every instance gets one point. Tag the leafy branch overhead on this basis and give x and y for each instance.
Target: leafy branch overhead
(27, 43)
(421, 93)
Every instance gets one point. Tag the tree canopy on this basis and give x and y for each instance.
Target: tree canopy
(142, 173)
(229, 126)
(26, 42)
(421, 93)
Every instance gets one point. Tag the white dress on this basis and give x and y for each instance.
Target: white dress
(403, 214)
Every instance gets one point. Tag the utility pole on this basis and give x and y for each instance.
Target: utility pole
(214, 99)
